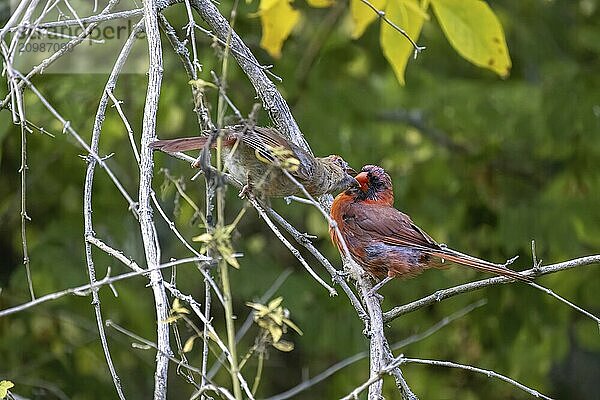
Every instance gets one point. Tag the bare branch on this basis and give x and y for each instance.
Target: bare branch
(87, 201)
(488, 373)
(148, 229)
(362, 355)
(472, 286)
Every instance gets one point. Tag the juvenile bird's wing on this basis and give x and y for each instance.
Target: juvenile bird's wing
(271, 146)
(180, 144)
(190, 143)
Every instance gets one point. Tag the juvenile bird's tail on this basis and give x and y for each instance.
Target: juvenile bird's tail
(456, 257)
(181, 144)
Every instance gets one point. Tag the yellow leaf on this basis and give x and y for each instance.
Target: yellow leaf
(4, 386)
(277, 318)
(201, 84)
(474, 31)
(189, 344)
(265, 323)
(320, 3)
(205, 237)
(292, 325)
(256, 306)
(273, 304)
(276, 333)
(171, 319)
(177, 308)
(277, 18)
(396, 48)
(363, 15)
(231, 260)
(284, 345)
(213, 337)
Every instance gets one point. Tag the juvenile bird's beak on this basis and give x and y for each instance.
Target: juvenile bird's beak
(348, 183)
(350, 171)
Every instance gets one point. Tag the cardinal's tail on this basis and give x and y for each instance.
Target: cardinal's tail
(456, 257)
(181, 144)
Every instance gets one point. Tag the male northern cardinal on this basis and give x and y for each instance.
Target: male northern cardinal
(385, 241)
(257, 155)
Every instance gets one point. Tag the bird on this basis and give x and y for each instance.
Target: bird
(258, 155)
(385, 242)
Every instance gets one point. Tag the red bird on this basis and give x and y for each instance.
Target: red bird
(386, 242)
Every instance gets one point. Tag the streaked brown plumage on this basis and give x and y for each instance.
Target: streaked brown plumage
(254, 158)
(385, 241)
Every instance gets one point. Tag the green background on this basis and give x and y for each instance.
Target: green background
(484, 165)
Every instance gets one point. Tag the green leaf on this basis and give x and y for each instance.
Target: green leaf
(408, 15)
(4, 386)
(474, 31)
(363, 15)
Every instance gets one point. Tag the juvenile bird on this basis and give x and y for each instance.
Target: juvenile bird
(386, 242)
(256, 156)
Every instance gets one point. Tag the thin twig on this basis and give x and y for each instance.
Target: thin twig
(567, 302)
(23, 171)
(114, 252)
(381, 15)
(68, 47)
(336, 275)
(90, 287)
(290, 247)
(93, 18)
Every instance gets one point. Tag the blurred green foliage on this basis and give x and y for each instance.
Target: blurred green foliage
(483, 164)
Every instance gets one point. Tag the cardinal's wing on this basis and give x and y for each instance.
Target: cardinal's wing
(390, 226)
